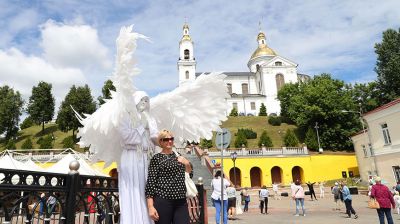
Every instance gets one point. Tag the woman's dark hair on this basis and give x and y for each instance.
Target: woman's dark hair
(297, 182)
(218, 173)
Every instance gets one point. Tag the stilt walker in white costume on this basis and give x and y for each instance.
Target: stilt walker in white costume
(124, 129)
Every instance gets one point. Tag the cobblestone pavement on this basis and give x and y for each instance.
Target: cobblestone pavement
(321, 211)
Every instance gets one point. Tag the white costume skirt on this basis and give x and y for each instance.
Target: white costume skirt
(132, 177)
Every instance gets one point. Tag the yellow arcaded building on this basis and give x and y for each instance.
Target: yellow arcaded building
(255, 171)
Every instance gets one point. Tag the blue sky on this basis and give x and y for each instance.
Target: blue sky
(73, 41)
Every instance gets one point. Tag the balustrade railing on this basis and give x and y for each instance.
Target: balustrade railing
(40, 197)
(264, 151)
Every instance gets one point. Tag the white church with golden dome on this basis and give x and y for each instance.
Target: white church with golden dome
(268, 72)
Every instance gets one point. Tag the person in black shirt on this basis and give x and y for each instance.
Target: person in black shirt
(311, 189)
(165, 188)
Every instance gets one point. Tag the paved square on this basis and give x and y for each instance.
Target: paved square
(321, 211)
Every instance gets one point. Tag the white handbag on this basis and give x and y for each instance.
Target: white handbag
(191, 190)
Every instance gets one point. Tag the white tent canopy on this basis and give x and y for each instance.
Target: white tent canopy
(7, 162)
(62, 166)
(33, 165)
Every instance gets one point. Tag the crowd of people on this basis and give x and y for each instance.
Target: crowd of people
(341, 194)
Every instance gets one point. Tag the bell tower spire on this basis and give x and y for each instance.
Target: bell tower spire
(186, 62)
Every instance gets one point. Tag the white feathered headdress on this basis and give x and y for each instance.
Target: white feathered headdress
(191, 111)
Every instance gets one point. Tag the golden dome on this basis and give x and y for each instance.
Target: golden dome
(263, 49)
(186, 37)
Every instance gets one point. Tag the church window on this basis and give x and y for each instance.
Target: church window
(185, 32)
(229, 85)
(280, 81)
(186, 54)
(253, 105)
(262, 42)
(386, 135)
(278, 63)
(234, 105)
(245, 88)
(257, 67)
(187, 74)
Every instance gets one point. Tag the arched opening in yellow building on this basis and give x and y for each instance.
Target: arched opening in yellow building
(232, 174)
(297, 174)
(255, 177)
(276, 174)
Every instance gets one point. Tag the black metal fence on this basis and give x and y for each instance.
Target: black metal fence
(40, 197)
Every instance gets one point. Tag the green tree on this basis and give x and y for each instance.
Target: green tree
(106, 91)
(234, 112)
(366, 95)
(206, 144)
(68, 142)
(27, 144)
(240, 140)
(311, 139)
(81, 99)
(10, 110)
(290, 139)
(11, 144)
(263, 110)
(265, 139)
(46, 142)
(388, 65)
(28, 122)
(41, 104)
(322, 100)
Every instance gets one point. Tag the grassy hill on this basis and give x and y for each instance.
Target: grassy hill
(258, 124)
(35, 132)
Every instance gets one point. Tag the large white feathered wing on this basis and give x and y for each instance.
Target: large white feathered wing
(99, 131)
(194, 109)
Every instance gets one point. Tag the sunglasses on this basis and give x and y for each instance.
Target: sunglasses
(167, 139)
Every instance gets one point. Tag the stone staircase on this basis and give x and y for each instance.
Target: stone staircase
(201, 171)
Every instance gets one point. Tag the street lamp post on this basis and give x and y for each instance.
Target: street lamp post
(320, 150)
(365, 134)
(233, 157)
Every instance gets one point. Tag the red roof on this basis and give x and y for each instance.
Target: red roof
(390, 104)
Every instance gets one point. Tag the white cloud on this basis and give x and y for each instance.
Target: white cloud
(22, 72)
(73, 46)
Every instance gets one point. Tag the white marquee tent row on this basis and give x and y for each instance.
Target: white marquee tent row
(62, 166)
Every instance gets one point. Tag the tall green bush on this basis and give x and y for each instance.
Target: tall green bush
(28, 122)
(290, 139)
(11, 144)
(68, 142)
(27, 144)
(274, 121)
(234, 112)
(46, 142)
(240, 140)
(265, 139)
(311, 139)
(206, 144)
(249, 133)
(263, 110)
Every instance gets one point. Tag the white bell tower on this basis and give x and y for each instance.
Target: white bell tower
(186, 62)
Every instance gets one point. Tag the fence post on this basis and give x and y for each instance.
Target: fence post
(202, 201)
(72, 184)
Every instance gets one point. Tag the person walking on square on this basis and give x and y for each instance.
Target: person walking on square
(275, 188)
(311, 190)
(396, 198)
(385, 199)
(231, 192)
(336, 196)
(218, 198)
(298, 196)
(246, 199)
(347, 201)
(264, 193)
(321, 190)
